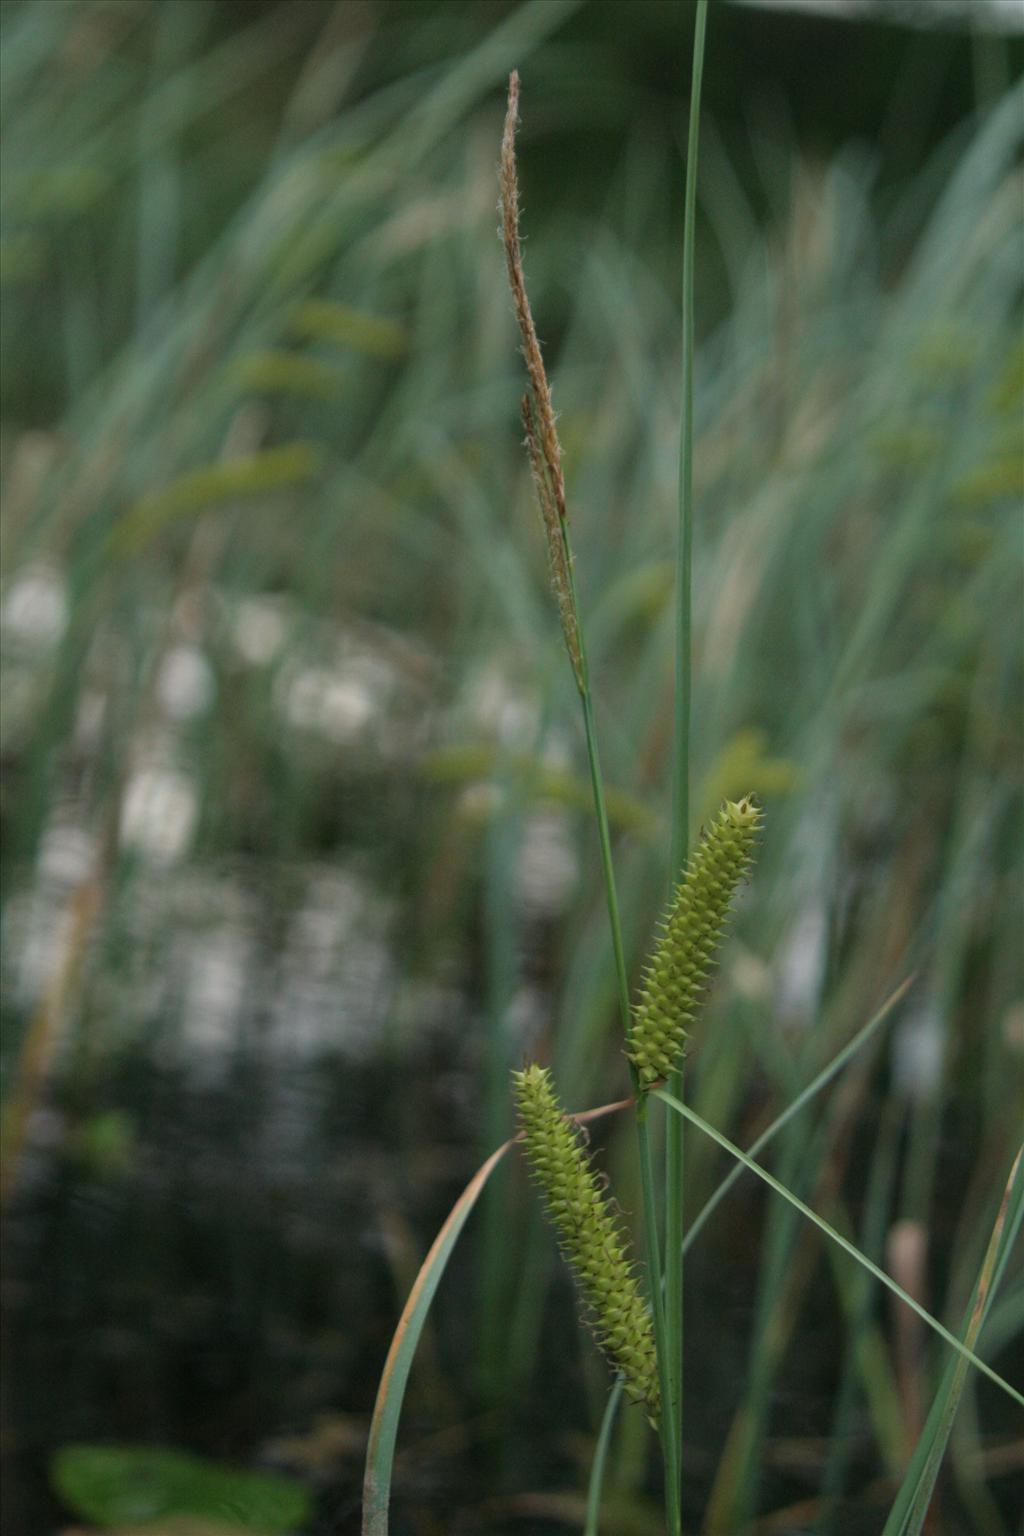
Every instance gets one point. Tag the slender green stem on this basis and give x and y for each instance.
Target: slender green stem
(604, 839)
(597, 1466)
(684, 550)
(669, 1426)
(674, 1258)
(668, 1429)
(681, 762)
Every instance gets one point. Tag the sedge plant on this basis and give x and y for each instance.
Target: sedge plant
(633, 1305)
(642, 1337)
(857, 538)
(643, 1340)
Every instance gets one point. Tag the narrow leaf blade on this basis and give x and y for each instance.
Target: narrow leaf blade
(380, 1451)
(844, 1243)
(908, 1514)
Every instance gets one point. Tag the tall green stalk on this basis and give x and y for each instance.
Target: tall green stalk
(545, 456)
(681, 763)
(668, 1428)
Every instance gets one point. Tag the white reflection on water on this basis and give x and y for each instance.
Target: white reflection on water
(527, 1018)
(919, 1046)
(500, 709)
(800, 969)
(548, 868)
(260, 628)
(211, 962)
(209, 987)
(89, 718)
(185, 685)
(38, 920)
(214, 992)
(158, 813)
(67, 854)
(37, 925)
(34, 611)
(337, 707)
(347, 700)
(335, 974)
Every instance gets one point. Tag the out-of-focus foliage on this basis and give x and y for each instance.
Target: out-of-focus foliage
(114, 1485)
(298, 852)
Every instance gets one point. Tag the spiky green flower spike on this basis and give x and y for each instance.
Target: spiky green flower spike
(591, 1239)
(690, 935)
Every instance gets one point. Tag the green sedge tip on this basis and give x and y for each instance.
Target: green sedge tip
(689, 937)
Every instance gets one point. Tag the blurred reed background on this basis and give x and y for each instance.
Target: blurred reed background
(295, 818)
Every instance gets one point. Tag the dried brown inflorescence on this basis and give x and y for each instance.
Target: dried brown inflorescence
(537, 410)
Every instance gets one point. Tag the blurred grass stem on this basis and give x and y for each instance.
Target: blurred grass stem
(683, 697)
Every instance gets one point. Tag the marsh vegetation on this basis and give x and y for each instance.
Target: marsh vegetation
(300, 852)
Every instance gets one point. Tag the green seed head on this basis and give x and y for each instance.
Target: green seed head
(690, 935)
(591, 1239)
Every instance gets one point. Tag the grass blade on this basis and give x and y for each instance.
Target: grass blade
(836, 1237)
(814, 1087)
(600, 1458)
(824, 1077)
(380, 1450)
(681, 757)
(908, 1514)
(684, 595)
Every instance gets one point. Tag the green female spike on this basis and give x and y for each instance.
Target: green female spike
(593, 1242)
(690, 935)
